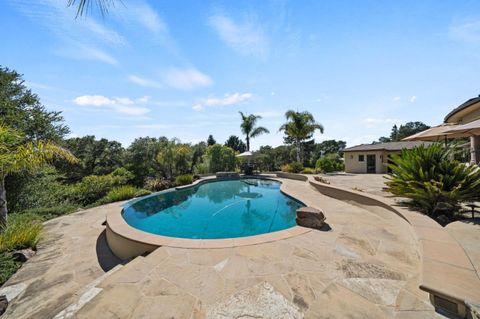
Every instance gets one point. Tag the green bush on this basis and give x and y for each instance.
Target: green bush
(309, 170)
(8, 266)
(120, 193)
(21, 231)
(220, 158)
(184, 179)
(330, 163)
(434, 182)
(157, 184)
(46, 213)
(293, 167)
(94, 187)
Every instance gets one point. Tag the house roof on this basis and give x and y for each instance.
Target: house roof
(390, 146)
(460, 108)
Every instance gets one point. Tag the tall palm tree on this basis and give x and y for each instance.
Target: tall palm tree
(83, 6)
(17, 154)
(299, 127)
(249, 127)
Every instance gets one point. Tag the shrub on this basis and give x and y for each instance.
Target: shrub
(157, 184)
(220, 158)
(94, 187)
(120, 193)
(46, 213)
(295, 167)
(330, 163)
(309, 170)
(8, 266)
(21, 231)
(434, 182)
(184, 179)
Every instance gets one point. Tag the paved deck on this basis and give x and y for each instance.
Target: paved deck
(365, 266)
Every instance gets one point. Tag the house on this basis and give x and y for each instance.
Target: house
(461, 122)
(371, 158)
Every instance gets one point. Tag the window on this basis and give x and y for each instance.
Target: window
(361, 158)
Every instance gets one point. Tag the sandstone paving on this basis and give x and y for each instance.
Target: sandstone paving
(366, 266)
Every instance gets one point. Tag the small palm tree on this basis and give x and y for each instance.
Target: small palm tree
(249, 127)
(17, 154)
(299, 127)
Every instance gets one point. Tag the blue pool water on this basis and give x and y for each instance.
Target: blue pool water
(220, 209)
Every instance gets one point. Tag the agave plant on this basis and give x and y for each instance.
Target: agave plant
(435, 183)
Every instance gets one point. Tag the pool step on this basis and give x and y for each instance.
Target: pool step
(86, 294)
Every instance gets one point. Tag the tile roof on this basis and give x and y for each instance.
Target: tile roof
(390, 146)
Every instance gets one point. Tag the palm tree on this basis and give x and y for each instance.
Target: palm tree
(299, 127)
(83, 6)
(249, 127)
(17, 154)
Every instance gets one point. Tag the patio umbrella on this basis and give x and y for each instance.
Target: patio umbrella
(469, 129)
(435, 133)
(245, 154)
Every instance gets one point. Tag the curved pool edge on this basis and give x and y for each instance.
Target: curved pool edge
(127, 242)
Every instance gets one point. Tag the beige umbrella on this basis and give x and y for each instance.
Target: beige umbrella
(469, 129)
(435, 133)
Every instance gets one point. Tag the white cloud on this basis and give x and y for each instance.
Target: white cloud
(123, 105)
(144, 82)
(247, 38)
(227, 99)
(396, 99)
(467, 32)
(82, 51)
(144, 99)
(186, 79)
(413, 99)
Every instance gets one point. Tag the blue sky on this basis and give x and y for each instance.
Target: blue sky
(185, 68)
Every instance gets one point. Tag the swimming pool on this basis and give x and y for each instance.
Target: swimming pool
(215, 210)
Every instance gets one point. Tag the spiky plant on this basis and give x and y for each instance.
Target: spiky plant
(435, 183)
(249, 127)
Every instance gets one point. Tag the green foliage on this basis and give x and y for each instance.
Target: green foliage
(96, 157)
(22, 231)
(140, 158)
(174, 158)
(308, 170)
(157, 184)
(184, 179)
(293, 167)
(249, 127)
(142, 192)
(211, 141)
(46, 213)
(299, 127)
(94, 187)
(236, 144)
(22, 110)
(8, 266)
(120, 193)
(434, 182)
(330, 163)
(220, 158)
(405, 130)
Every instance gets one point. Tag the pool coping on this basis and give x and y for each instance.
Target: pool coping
(118, 227)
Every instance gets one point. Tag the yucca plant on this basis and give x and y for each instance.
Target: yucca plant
(435, 183)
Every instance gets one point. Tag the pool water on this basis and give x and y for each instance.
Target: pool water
(213, 210)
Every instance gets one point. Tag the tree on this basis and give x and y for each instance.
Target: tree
(175, 158)
(299, 127)
(399, 133)
(249, 128)
(17, 154)
(211, 141)
(236, 144)
(96, 157)
(22, 110)
(140, 157)
(220, 158)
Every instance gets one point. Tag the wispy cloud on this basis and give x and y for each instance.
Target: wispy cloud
(186, 79)
(396, 98)
(123, 105)
(227, 99)
(467, 32)
(372, 122)
(247, 38)
(144, 82)
(413, 99)
(141, 13)
(80, 51)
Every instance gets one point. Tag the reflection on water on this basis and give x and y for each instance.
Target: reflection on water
(220, 209)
